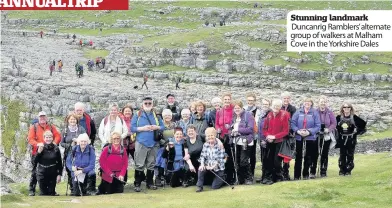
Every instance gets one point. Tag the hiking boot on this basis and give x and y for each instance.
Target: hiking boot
(264, 181)
(305, 178)
(199, 189)
(152, 187)
(323, 175)
(296, 179)
(248, 182)
(185, 185)
(341, 173)
(312, 176)
(286, 177)
(137, 189)
(158, 182)
(269, 182)
(31, 193)
(348, 173)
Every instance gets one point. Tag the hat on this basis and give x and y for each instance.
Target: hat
(147, 98)
(170, 95)
(42, 113)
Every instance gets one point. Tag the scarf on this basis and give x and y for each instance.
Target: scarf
(73, 128)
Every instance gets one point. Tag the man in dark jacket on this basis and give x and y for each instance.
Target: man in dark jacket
(286, 98)
(172, 105)
(86, 121)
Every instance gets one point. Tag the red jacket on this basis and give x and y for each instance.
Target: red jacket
(113, 163)
(277, 126)
(224, 116)
(36, 137)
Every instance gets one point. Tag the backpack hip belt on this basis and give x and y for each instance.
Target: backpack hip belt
(46, 166)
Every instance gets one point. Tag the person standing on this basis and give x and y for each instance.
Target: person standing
(349, 126)
(146, 125)
(275, 129)
(145, 79)
(178, 80)
(85, 121)
(36, 138)
(286, 98)
(306, 124)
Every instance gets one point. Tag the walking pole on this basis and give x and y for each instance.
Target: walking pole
(232, 187)
(234, 159)
(320, 152)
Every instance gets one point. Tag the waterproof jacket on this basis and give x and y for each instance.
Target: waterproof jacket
(145, 138)
(184, 125)
(224, 116)
(277, 125)
(313, 124)
(201, 124)
(263, 116)
(49, 157)
(89, 125)
(36, 135)
(105, 129)
(255, 112)
(68, 137)
(175, 155)
(113, 163)
(328, 119)
(246, 125)
(290, 108)
(84, 160)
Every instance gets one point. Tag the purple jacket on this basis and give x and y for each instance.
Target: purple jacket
(328, 118)
(245, 127)
(313, 124)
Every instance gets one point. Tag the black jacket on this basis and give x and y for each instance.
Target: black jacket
(50, 156)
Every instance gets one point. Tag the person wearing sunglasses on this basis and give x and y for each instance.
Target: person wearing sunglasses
(146, 124)
(349, 126)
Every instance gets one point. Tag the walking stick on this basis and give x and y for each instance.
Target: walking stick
(232, 187)
(234, 159)
(320, 153)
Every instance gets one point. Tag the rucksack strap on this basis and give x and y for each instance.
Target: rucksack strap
(110, 150)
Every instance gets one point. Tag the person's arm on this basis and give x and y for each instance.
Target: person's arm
(266, 126)
(64, 144)
(361, 125)
(332, 118)
(56, 135)
(285, 127)
(203, 154)
(124, 129)
(32, 136)
(69, 159)
(161, 124)
(59, 164)
(124, 163)
(101, 130)
(294, 122)
(103, 161)
(93, 130)
(246, 130)
(317, 124)
(134, 127)
(91, 164)
(217, 119)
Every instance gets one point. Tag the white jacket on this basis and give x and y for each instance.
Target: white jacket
(104, 130)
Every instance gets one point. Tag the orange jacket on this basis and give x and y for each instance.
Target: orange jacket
(38, 137)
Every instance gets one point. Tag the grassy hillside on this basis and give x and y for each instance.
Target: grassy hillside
(369, 186)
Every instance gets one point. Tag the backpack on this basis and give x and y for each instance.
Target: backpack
(139, 114)
(110, 150)
(74, 151)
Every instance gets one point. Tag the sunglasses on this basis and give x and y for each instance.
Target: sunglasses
(346, 107)
(147, 103)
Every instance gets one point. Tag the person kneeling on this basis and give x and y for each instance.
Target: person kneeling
(212, 159)
(82, 163)
(114, 163)
(49, 165)
(174, 154)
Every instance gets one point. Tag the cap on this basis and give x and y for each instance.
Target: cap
(147, 98)
(42, 113)
(169, 95)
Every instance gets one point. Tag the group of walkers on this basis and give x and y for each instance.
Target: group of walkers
(52, 66)
(194, 146)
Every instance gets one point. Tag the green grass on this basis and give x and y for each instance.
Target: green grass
(332, 5)
(12, 125)
(92, 53)
(377, 135)
(170, 68)
(369, 186)
(370, 68)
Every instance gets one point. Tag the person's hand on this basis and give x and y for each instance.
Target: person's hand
(112, 175)
(208, 167)
(155, 127)
(78, 172)
(121, 178)
(58, 178)
(202, 167)
(192, 168)
(74, 168)
(263, 144)
(326, 130)
(40, 149)
(40, 144)
(306, 133)
(187, 157)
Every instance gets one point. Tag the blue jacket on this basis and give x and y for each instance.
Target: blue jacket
(313, 123)
(145, 138)
(85, 160)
